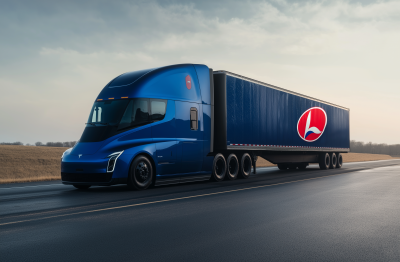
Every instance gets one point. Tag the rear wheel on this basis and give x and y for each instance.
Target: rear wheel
(233, 167)
(333, 161)
(245, 166)
(141, 173)
(339, 160)
(282, 166)
(219, 168)
(82, 186)
(324, 161)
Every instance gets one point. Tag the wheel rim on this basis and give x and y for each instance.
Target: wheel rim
(327, 160)
(334, 160)
(142, 173)
(233, 167)
(220, 168)
(247, 166)
(340, 161)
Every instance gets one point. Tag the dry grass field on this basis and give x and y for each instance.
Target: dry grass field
(31, 163)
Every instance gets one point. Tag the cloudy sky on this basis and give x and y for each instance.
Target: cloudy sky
(56, 57)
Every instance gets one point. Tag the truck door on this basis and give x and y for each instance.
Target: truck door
(164, 135)
(189, 136)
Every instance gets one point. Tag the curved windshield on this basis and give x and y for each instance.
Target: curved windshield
(107, 112)
(108, 118)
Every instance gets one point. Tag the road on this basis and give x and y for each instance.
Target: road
(348, 214)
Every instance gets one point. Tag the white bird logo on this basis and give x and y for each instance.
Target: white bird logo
(80, 155)
(310, 130)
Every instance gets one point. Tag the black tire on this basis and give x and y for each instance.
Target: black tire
(82, 186)
(282, 166)
(219, 168)
(245, 166)
(141, 173)
(339, 160)
(232, 170)
(333, 161)
(324, 161)
(292, 166)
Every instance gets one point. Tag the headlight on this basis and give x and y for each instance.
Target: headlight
(112, 160)
(68, 150)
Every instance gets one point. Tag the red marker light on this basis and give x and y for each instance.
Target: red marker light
(188, 82)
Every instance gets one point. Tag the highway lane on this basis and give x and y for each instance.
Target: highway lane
(343, 214)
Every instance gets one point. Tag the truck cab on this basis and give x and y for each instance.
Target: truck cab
(146, 127)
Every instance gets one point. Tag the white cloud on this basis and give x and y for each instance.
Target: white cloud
(340, 51)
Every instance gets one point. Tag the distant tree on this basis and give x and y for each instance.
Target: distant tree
(38, 144)
(12, 143)
(372, 148)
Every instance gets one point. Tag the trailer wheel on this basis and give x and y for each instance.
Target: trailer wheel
(140, 174)
(245, 166)
(219, 168)
(333, 161)
(324, 161)
(282, 166)
(233, 167)
(339, 160)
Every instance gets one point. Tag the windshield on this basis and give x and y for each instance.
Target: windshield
(107, 112)
(107, 118)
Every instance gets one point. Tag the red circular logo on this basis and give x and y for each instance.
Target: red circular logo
(311, 124)
(188, 82)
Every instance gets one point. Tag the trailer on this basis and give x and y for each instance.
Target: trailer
(187, 123)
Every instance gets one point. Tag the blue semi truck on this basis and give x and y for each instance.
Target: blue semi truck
(187, 122)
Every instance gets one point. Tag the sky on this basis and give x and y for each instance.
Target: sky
(56, 56)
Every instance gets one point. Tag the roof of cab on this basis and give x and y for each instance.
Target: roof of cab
(168, 82)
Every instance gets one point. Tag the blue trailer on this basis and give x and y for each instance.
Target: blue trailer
(186, 123)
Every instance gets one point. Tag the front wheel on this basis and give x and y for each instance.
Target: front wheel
(140, 174)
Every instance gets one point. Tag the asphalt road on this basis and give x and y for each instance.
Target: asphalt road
(348, 214)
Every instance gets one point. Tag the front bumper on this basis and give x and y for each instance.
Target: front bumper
(99, 179)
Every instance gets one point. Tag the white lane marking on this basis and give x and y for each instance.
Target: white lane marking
(166, 200)
(30, 186)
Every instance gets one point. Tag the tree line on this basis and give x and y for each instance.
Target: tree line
(51, 144)
(373, 148)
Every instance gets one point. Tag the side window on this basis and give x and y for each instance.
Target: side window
(193, 119)
(158, 108)
(136, 114)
